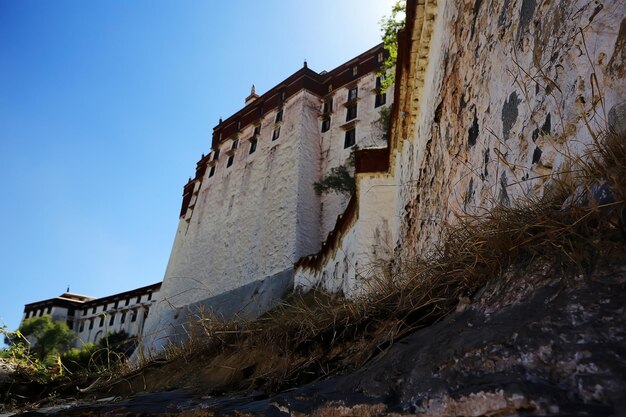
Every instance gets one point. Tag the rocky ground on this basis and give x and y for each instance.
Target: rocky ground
(527, 344)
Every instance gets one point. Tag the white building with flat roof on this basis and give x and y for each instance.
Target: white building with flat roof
(93, 318)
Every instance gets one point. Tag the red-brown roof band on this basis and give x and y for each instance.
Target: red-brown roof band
(304, 78)
(64, 302)
(321, 84)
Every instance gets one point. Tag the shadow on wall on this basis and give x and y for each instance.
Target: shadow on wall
(246, 302)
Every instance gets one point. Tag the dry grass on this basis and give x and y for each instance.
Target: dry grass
(314, 335)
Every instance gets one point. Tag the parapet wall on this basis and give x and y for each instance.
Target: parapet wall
(491, 100)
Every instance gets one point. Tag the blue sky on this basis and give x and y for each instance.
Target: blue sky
(105, 107)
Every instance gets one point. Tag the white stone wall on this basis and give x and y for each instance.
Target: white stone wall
(251, 220)
(367, 243)
(308, 211)
(352, 261)
(336, 273)
(243, 224)
(513, 84)
(493, 102)
(368, 135)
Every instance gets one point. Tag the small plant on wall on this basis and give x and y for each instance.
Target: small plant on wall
(390, 25)
(383, 120)
(339, 180)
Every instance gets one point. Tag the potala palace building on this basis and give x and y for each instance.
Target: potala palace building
(472, 126)
(251, 214)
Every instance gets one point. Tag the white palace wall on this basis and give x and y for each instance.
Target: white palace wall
(491, 101)
(369, 134)
(245, 225)
(247, 222)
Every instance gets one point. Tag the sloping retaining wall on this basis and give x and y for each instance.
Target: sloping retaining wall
(246, 302)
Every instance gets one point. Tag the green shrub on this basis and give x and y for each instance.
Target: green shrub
(340, 179)
(390, 26)
(48, 338)
(108, 352)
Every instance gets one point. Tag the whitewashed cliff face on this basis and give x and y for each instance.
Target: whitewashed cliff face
(492, 101)
(506, 89)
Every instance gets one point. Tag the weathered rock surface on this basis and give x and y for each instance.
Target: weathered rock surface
(556, 350)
